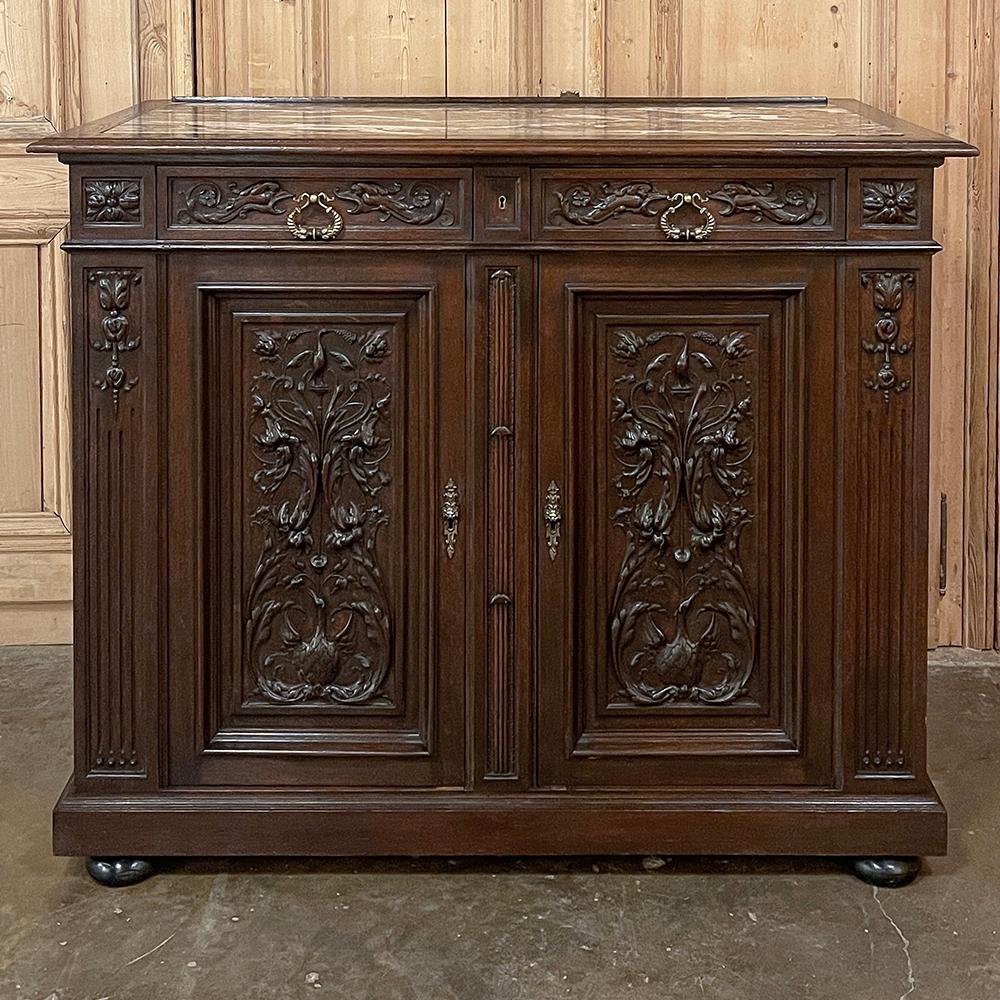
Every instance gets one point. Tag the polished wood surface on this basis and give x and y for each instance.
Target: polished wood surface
(502, 503)
(531, 126)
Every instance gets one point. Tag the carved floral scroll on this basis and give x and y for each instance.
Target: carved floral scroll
(682, 621)
(317, 625)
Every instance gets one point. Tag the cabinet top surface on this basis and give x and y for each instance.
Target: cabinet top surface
(495, 126)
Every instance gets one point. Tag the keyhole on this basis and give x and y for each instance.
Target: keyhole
(502, 202)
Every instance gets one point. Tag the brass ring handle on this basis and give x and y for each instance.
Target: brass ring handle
(553, 518)
(321, 200)
(450, 514)
(697, 233)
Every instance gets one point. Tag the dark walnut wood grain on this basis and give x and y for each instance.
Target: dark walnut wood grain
(500, 477)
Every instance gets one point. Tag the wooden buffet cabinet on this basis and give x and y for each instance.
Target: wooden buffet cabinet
(500, 477)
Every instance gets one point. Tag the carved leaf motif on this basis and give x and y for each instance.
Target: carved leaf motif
(788, 204)
(586, 204)
(887, 291)
(206, 203)
(888, 298)
(682, 624)
(114, 292)
(418, 203)
(317, 612)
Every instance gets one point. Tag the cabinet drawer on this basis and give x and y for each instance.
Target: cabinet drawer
(274, 204)
(676, 206)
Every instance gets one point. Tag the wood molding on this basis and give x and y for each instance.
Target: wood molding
(36, 595)
(55, 371)
(39, 624)
(16, 528)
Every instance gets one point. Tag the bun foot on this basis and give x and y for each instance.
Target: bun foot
(886, 873)
(118, 872)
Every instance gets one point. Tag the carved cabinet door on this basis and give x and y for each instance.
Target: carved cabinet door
(686, 520)
(316, 502)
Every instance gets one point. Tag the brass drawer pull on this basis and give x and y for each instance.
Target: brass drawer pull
(321, 200)
(450, 515)
(697, 233)
(553, 518)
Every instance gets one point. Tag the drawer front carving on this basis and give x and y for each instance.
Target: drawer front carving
(687, 208)
(273, 205)
(218, 202)
(502, 204)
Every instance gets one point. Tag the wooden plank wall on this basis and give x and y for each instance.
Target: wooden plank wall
(61, 62)
(934, 61)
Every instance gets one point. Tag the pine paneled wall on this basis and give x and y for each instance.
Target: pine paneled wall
(63, 61)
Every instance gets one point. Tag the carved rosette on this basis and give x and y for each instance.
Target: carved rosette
(682, 621)
(418, 203)
(317, 624)
(209, 204)
(787, 203)
(889, 203)
(887, 288)
(114, 291)
(112, 201)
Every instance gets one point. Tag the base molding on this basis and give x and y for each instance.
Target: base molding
(461, 823)
(36, 592)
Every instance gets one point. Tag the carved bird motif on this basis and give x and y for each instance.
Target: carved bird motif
(678, 661)
(682, 365)
(312, 377)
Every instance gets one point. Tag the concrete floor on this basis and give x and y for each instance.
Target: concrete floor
(588, 929)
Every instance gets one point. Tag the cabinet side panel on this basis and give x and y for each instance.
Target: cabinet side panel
(115, 483)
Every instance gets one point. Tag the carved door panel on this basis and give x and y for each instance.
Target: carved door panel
(315, 440)
(687, 525)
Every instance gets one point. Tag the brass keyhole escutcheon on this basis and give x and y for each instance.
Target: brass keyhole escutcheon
(329, 231)
(450, 513)
(502, 203)
(553, 518)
